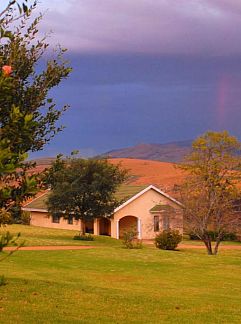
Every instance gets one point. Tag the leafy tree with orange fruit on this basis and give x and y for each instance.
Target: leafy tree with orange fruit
(28, 115)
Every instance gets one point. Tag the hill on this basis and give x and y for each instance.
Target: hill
(169, 152)
(142, 172)
(42, 163)
(44, 160)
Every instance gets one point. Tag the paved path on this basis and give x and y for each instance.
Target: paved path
(50, 248)
(84, 247)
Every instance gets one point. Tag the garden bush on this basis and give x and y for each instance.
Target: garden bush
(8, 239)
(130, 240)
(25, 218)
(226, 237)
(168, 239)
(84, 237)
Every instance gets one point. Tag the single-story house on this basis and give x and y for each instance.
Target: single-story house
(148, 210)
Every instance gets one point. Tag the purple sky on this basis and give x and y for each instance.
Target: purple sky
(146, 70)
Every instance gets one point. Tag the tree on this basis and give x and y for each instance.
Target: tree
(28, 115)
(210, 189)
(83, 188)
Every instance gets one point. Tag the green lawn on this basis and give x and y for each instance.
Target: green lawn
(35, 236)
(110, 284)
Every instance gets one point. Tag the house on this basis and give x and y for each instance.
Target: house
(148, 210)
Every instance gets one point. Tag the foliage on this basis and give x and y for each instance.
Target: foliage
(25, 218)
(213, 235)
(5, 217)
(210, 190)
(130, 240)
(25, 92)
(84, 188)
(84, 237)
(2, 281)
(27, 114)
(7, 239)
(168, 239)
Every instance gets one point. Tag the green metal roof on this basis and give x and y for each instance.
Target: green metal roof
(127, 191)
(123, 194)
(39, 202)
(160, 208)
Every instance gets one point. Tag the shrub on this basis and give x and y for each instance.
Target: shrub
(84, 237)
(226, 237)
(168, 239)
(25, 218)
(193, 237)
(5, 217)
(2, 281)
(7, 238)
(131, 241)
(230, 237)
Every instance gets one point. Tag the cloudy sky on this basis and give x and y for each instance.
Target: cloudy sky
(145, 71)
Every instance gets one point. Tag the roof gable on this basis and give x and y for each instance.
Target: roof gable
(38, 203)
(151, 187)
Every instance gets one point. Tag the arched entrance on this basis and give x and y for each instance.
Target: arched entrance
(88, 227)
(128, 223)
(104, 226)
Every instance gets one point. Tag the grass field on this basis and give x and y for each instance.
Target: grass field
(35, 236)
(110, 284)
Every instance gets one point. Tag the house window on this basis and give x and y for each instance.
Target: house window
(156, 223)
(70, 220)
(166, 222)
(55, 219)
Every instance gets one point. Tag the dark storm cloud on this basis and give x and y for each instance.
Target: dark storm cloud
(146, 70)
(147, 26)
(117, 101)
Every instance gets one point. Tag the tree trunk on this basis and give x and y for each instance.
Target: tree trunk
(216, 246)
(208, 245)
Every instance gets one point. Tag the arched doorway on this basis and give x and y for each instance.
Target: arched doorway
(127, 223)
(88, 227)
(104, 226)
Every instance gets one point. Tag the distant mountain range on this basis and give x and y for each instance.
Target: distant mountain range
(169, 152)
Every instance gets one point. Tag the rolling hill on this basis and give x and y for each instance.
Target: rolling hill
(169, 152)
(142, 172)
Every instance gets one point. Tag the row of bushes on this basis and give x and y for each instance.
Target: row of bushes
(166, 240)
(226, 237)
(84, 237)
(169, 239)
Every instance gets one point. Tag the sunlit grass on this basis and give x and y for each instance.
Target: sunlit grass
(110, 284)
(36, 236)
